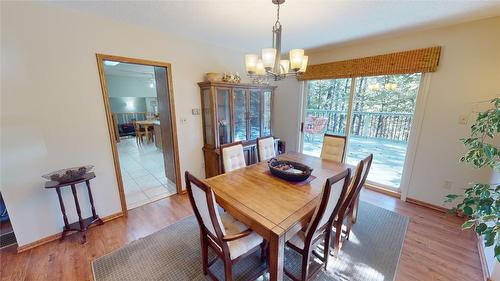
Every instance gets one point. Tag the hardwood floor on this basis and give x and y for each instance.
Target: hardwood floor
(434, 249)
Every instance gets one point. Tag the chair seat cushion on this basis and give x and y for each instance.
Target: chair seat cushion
(243, 245)
(298, 240)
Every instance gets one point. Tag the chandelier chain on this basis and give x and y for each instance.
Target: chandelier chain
(277, 24)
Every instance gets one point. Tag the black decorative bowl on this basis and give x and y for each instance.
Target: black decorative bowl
(289, 170)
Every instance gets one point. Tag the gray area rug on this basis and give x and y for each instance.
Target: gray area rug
(173, 253)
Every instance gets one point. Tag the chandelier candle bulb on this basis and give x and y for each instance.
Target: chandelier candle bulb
(270, 65)
(304, 64)
(259, 69)
(296, 57)
(284, 66)
(268, 57)
(251, 63)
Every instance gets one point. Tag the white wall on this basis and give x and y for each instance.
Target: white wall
(127, 104)
(287, 111)
(127, 86)
(52, 110)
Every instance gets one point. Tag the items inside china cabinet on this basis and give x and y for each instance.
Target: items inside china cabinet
(240, 112)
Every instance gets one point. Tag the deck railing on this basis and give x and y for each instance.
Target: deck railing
(128, 117)
(386, 125)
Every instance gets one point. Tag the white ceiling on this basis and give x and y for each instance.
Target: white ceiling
(130, 70)
(246, 24)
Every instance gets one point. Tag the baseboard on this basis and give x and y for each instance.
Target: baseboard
(482, 258)
(56, 236)
(383, 190)
(427, 205)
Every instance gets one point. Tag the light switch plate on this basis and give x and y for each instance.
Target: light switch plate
(195, 111)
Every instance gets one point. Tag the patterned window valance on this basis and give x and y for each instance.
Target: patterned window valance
(421, 60)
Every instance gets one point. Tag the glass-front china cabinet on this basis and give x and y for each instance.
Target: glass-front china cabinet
(234, 112)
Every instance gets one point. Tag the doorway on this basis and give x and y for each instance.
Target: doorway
(140, 113)
(374, 113)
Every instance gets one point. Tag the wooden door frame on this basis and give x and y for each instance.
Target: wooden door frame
(100, 65)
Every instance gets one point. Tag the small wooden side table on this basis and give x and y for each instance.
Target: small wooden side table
(81, 225)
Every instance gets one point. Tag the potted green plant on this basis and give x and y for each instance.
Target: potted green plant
(480, 201)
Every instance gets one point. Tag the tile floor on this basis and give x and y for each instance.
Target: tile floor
(143, 173)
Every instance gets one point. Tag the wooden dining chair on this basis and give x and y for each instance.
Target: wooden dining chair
(349, 207)
(230, 239)
(232, 156)
(139, 133)
(151, 133)
(333, 148)
(320, 227)
(265, 148)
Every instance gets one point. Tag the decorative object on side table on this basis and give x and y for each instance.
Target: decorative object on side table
(213, 77)
(481, 201)
(289, 170)
(81, 225)
(261, 80)
(69, 174)
(231, 78)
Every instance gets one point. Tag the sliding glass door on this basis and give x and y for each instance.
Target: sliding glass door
(327, 105)
(379, 116)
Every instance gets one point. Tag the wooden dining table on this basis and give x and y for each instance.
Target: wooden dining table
(274, 208)
(146, 124)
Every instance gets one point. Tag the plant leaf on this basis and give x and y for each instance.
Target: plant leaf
(468, 224)
(468, 211)
(497, 252)
(481, 228)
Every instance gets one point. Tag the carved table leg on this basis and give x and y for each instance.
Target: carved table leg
(94, 215)
(63, 210)
(83, 228)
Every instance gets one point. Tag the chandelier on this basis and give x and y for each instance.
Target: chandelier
(270, 65)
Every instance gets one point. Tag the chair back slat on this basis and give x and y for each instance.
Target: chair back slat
(356, 184)
(331, 198)
(367, 163)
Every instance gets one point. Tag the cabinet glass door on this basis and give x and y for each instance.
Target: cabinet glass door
(266, 116)
(207, 117)
(223, 116)
(254, 114)
(240, 115)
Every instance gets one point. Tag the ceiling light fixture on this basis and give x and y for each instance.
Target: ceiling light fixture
(270, 65)
(111, 63)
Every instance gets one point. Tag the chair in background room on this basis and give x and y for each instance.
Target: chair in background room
(230, 239)
(314, 126)
(232, 156)
(320, 227)
(350, 204)
(333, 148)
(265, 148)
(139, 133)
